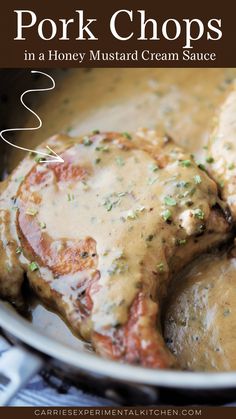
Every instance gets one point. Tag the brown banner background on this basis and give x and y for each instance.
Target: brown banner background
(12, 52)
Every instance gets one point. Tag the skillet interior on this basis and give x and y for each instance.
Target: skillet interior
(46, 323)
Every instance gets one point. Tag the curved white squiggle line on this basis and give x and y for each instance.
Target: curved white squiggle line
(52, 158)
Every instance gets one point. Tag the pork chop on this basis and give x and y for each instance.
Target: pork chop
(101, 235)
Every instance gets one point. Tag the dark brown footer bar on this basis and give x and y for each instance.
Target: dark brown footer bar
(111, 412)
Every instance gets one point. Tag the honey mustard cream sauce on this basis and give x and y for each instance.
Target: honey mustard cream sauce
(201, 320)
(181, 102)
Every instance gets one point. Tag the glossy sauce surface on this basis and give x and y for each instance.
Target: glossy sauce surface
(200, 324)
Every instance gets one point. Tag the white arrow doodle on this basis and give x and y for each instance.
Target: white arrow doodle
(53, 156)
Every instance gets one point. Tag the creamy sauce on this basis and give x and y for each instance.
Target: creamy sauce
(179, 101)
(200, 322)
(222, 150)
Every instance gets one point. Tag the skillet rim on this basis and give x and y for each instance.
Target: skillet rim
(26, 333)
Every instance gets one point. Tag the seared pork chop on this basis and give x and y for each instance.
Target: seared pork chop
(101, 235)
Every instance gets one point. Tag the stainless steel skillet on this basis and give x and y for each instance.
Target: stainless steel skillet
(33, 351)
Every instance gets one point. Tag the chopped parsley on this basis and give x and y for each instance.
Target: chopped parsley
(120, 161)
(87, 141)
(160, 267)
(132, 215)
(84, 255)
(19, 179)
(197, 179)
(150, 237)
(151, 181)
(31, 211)
(103, 148)
(186, 163)
(202, 167)
(33, 266)
(39, 159)
(118, 266)
(97, 161)
(170, 201)
(182, 184)
(209, 159)
(70, 197)
(226, 312)
(231, 166)
(127, 135)
(153, 167)
(96, 131)
(166, 215)
(108, 205)
(198, 213)
(42, 226)
(181, 242)
(18, 250)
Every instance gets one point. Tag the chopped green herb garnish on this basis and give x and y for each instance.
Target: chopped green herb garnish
(209, 159)
(39, 159)
(166, 215)
(127, 135)
(170, 201)
(132, 215)
(140, 209)
(186, 163)
(231, 166)
(97, 161)
(120, 161)
(18, 250)
(226, 312)
(182, 184)
(33, 266)
(70, 197)
(181, 242)
(96, 131)
(108, 205)
(42, 226)
(84, 255)
(198, 213)
(119, 266)
(150, 237)
(197, 179)
(221, 183)
(87, 141)
(151, 181)
(153, 167)
(192, 191)
(31, 211)
(103, 148)
(202, 167)
(19, 179)
(160, 267)
(189, 203)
